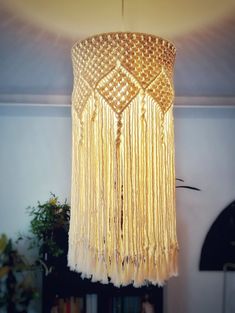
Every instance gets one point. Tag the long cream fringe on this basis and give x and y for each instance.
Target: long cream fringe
(123, 226)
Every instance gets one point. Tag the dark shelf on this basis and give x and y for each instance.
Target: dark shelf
(66, 284)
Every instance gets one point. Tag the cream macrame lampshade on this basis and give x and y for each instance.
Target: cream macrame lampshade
(123, 226)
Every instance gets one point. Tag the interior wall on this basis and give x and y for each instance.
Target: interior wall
(35, 159)
(205, 154)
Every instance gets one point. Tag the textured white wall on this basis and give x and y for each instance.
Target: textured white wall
(205, 154)
(35, 158)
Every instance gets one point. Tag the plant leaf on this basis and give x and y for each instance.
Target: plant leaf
(179, 179)
(189, 187)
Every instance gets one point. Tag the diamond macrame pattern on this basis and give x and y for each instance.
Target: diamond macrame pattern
(96, 58)
(146, 66)
(161, 91)
(142, 58)
(80, 95)
(118, 89)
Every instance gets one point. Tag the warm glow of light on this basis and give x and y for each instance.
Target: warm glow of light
(78, 19)
(122, 223)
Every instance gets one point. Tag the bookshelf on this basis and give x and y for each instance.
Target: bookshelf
(66, 292)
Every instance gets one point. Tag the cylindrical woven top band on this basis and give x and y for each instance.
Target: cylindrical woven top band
(142, 56)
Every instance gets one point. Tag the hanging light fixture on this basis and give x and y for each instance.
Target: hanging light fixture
(123, 226)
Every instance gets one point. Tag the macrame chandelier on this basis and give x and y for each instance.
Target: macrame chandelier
(123, 227)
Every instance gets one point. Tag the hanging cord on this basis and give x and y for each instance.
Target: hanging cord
(123, 11)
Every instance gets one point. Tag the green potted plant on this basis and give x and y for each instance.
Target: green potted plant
(49, 232)
(49, 228)
(16, 284)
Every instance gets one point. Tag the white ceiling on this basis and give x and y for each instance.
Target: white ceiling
(81, 18)
(35, 54)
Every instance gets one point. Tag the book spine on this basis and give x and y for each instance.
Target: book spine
(68, 306)
(94, 302)
(88, 304)
(72, 305)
